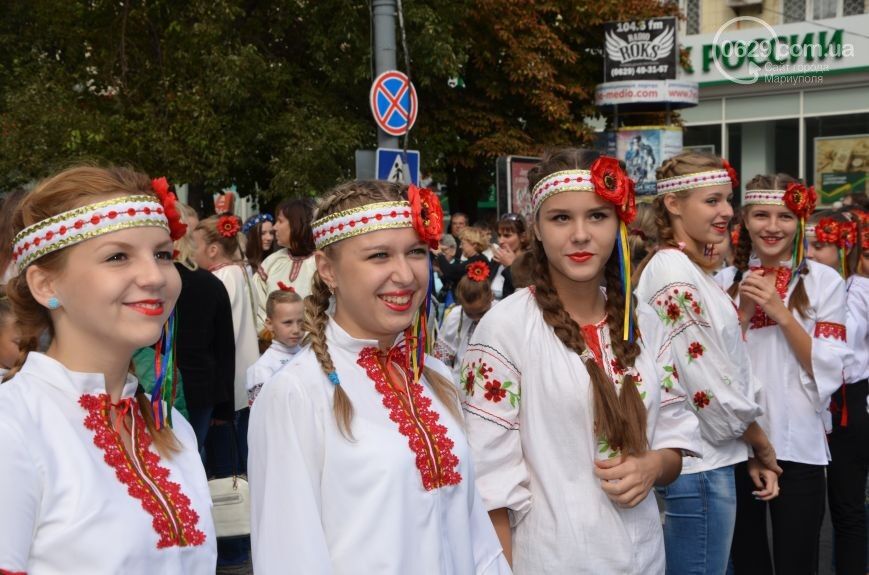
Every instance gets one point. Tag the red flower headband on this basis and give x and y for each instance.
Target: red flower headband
(478, 271)
(177, 228)
(800, 200)
(613, 185)
(734, 178)
(228, 226)
(427, 214)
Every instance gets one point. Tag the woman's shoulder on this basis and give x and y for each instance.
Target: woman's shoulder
(276, 258)
(822, 277)
(665, 267)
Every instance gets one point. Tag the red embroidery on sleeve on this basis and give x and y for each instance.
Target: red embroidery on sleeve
(5, 572)
(416, 420)
(831, 330)
(146, 480)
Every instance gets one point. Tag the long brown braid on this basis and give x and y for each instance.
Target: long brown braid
(619, 417)
(343, 197)
(799, 299)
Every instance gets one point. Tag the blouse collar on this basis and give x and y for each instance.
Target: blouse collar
(282, 348)
(40, 366)
(339, 337)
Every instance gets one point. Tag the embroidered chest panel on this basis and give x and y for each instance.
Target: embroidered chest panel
(782, 279)
(416, 419)
(141, 472)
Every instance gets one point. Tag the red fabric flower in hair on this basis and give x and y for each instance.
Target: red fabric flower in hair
(428, 216)
(177, 228)
(478, 271)
(734, 235)
(800, 200)
(847, 235)
(613, 185)
(228, 226)
(731, 173)
(827, 231)
(864, 244)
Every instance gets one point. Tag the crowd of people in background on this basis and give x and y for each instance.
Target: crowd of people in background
(582, 356)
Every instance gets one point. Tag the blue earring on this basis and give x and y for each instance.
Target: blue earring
(53, 303)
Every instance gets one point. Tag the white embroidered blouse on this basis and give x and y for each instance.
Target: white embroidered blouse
(397, 499)
(274, 358)
(530, 422)
(710, 358)
(74, 500)
(281, 271)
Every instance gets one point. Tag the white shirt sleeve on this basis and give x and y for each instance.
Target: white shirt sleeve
(829, 339)
(701, 360)
(448, 337)
(489, 368)
(285, 466)
(20, 496)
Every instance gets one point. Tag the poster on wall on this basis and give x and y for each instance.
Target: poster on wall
(841, 166)
(512, 183)
(643, 149)
(640, 50)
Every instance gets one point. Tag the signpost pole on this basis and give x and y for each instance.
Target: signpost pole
(383, 13)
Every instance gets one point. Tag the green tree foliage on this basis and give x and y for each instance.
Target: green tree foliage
(273, 94)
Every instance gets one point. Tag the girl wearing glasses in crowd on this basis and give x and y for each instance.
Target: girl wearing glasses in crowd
(94, 478)
(793, 315)
(359, 463)
(565, 414)
(710, 359)
(512, 243)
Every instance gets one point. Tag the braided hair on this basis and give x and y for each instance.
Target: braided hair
(619, 417)
(343, 197)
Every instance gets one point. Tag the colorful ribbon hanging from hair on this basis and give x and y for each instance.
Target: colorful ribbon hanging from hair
(623, 249)
(801, 248)
(843, 262)
(417, 340)
(165, 375)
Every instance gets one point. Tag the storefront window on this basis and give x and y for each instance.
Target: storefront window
(837, 154)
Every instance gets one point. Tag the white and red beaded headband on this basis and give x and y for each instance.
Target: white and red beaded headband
(692, 181)
(764, 198)
(80, 224)
(563, 181)
(361, 220)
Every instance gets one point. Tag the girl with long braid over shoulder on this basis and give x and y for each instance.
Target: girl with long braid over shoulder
(793, 314)
(358, 459)
(710, 359)
(98, 477)
(566, 417)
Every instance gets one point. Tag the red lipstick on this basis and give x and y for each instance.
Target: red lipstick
(580, 257)
(149, 307)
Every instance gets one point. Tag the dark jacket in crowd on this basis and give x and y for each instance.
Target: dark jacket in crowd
(205, 343)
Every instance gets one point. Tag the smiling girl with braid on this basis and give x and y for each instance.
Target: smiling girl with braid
(358, 460)
(569, 427)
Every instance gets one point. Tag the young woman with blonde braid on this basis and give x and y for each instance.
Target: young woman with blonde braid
(710, 360)
(94, 480)
(793, 313)
(566, 418)
(358, 460)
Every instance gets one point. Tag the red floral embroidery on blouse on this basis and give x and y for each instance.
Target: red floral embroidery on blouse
(782, 280)
(146, 480)
(494, 392)
(695, 349)
(701, 399)
(416, 420)
(831, 330)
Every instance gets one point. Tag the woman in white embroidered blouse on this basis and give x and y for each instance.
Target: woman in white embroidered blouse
(793, 314)
(566, 416)
(710, 358)
(358, 461)
(93, 481)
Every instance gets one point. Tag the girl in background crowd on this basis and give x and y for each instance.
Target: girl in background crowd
(710, 360)
(474, 296)
(259, 242)
(836, 241)
(642, 234)
(512, 243)
(9, 339)
(94, 480)
(793, 315)
(285, 312)
(565, 415)
(7, 209)
(358, 459)
(291, 266)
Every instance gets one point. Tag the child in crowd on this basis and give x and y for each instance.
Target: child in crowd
(8, 336)
(474, 296)
(285, 312)
(472, 243)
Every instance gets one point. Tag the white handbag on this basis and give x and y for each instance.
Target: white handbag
(230, 499)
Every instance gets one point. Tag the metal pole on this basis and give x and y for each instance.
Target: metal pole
(384, 12)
